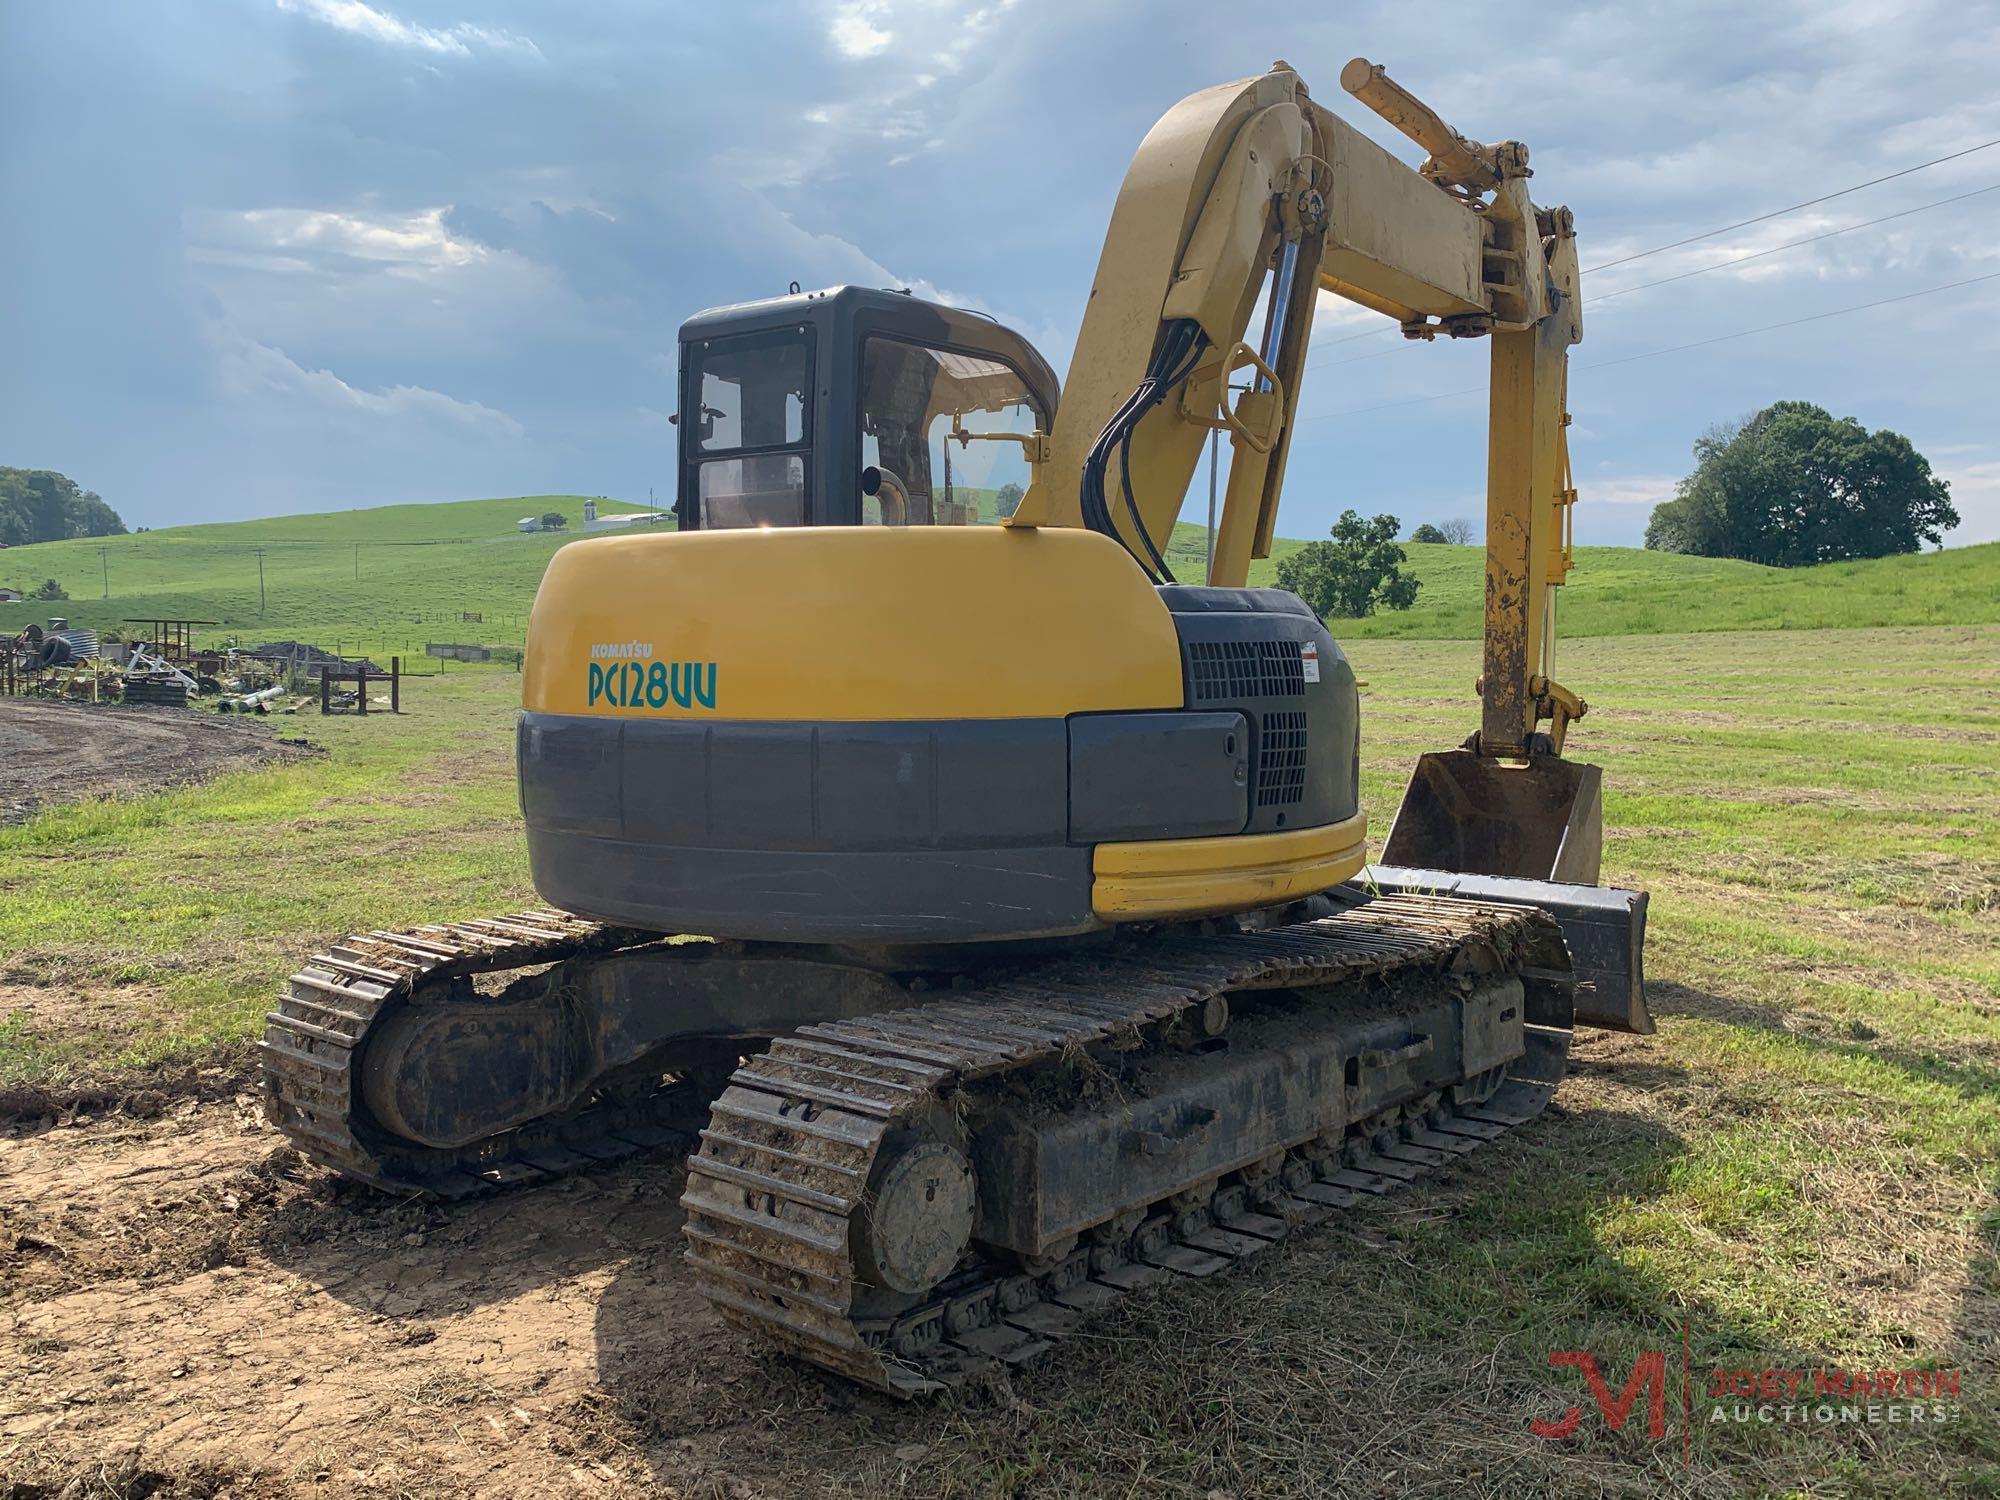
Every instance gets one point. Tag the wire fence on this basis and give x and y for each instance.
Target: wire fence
(430, 642)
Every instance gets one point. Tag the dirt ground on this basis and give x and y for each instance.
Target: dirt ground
(187, 1309)
(190, 1309)
(54, 752)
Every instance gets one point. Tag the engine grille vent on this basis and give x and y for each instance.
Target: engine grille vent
(1281, 760)
(1230, 671)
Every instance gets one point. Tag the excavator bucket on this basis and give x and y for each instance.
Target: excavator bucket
(1527, 835)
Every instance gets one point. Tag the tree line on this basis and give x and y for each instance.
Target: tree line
(1791, 486)
(40, 505)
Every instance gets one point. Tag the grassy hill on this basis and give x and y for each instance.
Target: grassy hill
(1630, 591)
(361, 576)
(391, 577)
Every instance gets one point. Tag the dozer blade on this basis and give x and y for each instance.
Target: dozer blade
(1531, 835)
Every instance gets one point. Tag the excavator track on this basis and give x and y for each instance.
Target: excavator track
(313, 1045)
(795, 1149)
(793, 1152)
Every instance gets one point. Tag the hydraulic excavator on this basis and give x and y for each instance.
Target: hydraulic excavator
(986, 906)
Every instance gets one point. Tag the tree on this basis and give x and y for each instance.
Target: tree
(1427, 533)
(1007, 500)
(1358, 570)
(40, 505)
(50, 589)
(1457, 531)
(1793, 485)
(554, 520)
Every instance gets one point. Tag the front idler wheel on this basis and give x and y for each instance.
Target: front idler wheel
(916, 1220)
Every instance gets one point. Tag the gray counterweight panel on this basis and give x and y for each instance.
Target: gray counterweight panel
(887, 832)
(732, 784)
(1165, 775)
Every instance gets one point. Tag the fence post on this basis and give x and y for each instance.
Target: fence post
(361, 686)
(395, 684)
(325, 700)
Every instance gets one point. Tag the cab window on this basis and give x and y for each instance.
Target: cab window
(944, 428)
(751, 428)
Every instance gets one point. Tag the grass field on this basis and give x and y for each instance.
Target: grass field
(1799, 1170)
(1630, 591)
(386, 580)
(394, 573)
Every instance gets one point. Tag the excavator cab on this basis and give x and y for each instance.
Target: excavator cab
(853, 407)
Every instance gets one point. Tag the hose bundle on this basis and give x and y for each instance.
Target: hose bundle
(1180, 350)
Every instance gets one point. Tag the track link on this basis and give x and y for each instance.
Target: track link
(787, 1159)
(314, 1040)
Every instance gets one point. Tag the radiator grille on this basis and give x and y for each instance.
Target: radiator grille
(1281, 760)
(1230, 671)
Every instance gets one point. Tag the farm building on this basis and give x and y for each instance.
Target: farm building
(592, 521)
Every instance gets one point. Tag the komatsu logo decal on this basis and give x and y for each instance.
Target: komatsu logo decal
(626, 675)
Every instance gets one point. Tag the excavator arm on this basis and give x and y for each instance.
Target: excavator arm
(1251, 192)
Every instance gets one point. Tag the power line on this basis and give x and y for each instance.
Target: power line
(1723, 265)
(1710, 234)
(1794, 208)
(1721, 338)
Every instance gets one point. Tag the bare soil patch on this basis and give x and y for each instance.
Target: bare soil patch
(186, 1308)
(53, 752)
(185, 1299)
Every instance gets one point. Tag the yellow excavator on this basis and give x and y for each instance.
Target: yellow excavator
(986, 907)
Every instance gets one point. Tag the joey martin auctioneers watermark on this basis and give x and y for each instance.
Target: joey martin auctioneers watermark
(1826, 1396)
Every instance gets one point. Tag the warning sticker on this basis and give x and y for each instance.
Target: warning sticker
(1309, 660)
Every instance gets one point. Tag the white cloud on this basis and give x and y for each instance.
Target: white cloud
(1648, 490)
(853, 30)
(251, 369)
(365, 20)
(1975, 495)
(931, 38)
(303, 239)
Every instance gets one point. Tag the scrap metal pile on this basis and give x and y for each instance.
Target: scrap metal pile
(82, 665)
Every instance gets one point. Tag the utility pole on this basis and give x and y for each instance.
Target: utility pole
(260, 583)
(104, 562)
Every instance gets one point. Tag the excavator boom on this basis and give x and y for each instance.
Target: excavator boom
(1252, 194)
(1251, 186)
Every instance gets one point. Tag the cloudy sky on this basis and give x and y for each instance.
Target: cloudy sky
(280, 255)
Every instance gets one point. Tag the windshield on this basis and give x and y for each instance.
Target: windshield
(943, 425)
